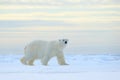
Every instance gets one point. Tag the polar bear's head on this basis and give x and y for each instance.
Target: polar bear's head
(63, 42)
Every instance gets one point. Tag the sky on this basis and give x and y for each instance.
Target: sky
(92, 26)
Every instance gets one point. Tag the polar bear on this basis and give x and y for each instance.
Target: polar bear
(44, 50)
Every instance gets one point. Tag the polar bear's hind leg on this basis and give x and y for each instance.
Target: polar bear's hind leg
(23, 60)
(30, 62)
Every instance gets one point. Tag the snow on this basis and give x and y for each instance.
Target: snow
(81, 67)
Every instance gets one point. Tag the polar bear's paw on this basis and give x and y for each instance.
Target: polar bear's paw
(23, 61)
(64, 64)
(31, 63)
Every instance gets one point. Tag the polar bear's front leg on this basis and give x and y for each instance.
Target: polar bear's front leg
(60, 58)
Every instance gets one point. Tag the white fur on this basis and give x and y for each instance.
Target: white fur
(44, 50)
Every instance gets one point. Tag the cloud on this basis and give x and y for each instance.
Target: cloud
(60, 14)
(39, 28)
(59, 2)
(56, 8)
(69, 20)
(68, 16)
(28, 23)
(32, 2)
(75, 14)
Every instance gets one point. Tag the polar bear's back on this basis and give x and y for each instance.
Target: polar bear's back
(36, 48)
(39, 42)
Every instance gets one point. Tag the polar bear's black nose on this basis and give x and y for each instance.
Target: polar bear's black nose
(65, 42)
